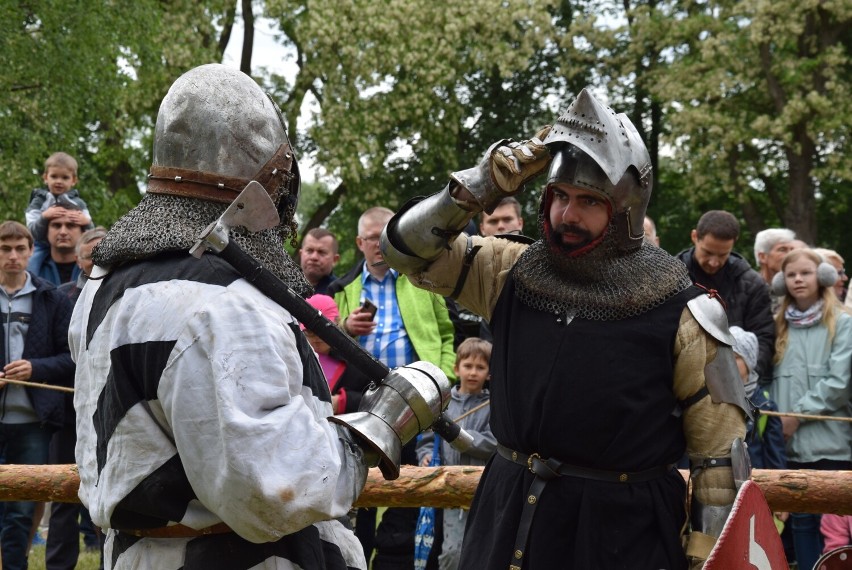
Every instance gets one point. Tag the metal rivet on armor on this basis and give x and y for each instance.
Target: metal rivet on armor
(178, 179)
(623, 477)
(531, 499)
(519, 554)
(275, 171)
(221, 186)
(287, 155)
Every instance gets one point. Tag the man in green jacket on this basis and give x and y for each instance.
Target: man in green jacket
(404, 324)
(409, 324)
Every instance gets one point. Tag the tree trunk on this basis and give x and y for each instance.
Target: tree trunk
(800, 215)
(324, 210)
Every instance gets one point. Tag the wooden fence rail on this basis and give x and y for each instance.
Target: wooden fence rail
(802, 491)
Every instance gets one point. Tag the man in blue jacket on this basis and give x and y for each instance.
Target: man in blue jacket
(58, 263)
(34, 349)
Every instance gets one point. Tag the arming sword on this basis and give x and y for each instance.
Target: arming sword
(254, 210)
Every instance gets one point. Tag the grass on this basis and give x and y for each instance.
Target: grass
(92, 560)
(87, 560)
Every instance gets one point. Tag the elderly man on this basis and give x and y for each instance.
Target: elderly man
(203, 438)
(599, 374)
(770, 247)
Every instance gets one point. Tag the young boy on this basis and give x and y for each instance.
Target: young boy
(471, 368)
(60, 198)
(765, 438)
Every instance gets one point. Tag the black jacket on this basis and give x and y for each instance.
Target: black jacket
(746, 297)
(46, 347)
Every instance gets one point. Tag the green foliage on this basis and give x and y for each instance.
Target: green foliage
(744, 104)
(86, 78)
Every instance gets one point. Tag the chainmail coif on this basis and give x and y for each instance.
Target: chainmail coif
(604, 284)
(162, 223)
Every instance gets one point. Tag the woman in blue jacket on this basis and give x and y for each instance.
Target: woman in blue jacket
(812, 373)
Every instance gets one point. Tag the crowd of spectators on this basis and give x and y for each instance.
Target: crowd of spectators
(790, 316)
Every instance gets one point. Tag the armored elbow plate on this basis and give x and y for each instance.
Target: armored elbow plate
(421, 230)
(391, 414)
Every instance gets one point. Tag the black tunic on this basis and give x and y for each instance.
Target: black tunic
(593, 394)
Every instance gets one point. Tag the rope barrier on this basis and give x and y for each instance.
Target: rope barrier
(805, 416)
(474, 409)
(38, 385)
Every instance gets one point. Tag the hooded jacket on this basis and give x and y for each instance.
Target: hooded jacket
(746, 297)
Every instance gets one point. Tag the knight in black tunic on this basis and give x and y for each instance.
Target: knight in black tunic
(607, 365)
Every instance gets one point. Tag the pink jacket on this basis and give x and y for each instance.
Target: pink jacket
(837, 531)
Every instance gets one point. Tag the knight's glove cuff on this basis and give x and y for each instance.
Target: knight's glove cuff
(504, 170)
(407, 402)
(446, 428)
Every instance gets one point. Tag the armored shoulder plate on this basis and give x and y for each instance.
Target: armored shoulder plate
(710, 314)
(721, 375)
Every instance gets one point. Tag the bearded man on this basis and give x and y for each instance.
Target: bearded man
(607, 363)
(203, 439)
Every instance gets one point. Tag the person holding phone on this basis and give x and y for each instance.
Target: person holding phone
(397, 323)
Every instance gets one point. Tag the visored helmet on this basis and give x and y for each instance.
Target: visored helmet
(596, 149)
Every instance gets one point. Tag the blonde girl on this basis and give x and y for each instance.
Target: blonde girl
(813, 362)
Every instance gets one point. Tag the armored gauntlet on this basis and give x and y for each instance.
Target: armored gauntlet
(503, 171)
(391, 414)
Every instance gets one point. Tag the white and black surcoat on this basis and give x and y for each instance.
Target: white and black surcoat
(199, 402)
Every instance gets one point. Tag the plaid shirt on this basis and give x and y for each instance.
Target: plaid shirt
(389, 342)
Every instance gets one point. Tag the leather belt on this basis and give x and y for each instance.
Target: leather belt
(547, 469)
(176, 531)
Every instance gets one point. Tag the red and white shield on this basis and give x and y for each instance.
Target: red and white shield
(750, 540)
(837, 559)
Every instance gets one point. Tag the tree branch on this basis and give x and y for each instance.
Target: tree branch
(248, 37)
(776, 92)
(325, 209)
(227, 27)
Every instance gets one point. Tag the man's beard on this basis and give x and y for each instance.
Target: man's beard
(556, 237)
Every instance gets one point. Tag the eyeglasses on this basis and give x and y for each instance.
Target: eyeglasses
(374, 239)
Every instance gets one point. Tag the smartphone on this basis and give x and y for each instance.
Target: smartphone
(369, 307)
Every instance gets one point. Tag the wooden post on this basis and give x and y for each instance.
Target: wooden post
(803, 491)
